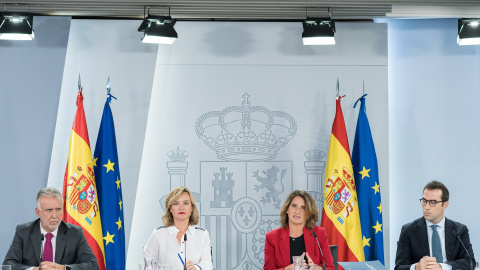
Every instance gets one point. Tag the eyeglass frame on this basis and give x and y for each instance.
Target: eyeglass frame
(430, 202)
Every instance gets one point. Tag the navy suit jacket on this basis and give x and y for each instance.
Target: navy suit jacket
(277, 248)
(71, 247)
(412, 245)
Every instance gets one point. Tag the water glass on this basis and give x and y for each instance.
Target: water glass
(298, 263)
(149, 263)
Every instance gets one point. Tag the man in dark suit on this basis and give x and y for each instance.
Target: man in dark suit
(432, 242)
(48, 242)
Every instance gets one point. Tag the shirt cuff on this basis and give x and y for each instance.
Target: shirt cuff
(412, 267)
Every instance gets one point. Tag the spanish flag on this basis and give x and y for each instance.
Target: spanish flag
(340, 216)
(79, 188)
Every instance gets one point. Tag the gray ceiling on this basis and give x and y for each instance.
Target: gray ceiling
(249, 9)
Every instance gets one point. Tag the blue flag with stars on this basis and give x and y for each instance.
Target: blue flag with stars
(109, 188)
(365, 167)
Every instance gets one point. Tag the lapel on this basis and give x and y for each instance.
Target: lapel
(449, 239)
(61, 242)
(36, 240)
(309, 243)
(422, 236)
(285, 246)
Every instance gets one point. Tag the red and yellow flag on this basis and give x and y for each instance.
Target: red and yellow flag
(340, 216)
(79, 188)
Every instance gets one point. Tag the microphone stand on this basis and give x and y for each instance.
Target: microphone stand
(41, 250)
(323, 257)
(185, 239)
(466, 250)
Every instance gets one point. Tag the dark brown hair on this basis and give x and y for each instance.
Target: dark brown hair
(438, 185)
(311, 209)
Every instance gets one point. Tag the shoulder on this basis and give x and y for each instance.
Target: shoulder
(28, 225)
(275, 233)
(455, 225)
(70, 229)
(200, 229)
(27, 228)
(417, 223)
(320, 230)
(160, 228)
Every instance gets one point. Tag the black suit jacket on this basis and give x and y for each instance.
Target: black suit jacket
(413, 245)
(71, 247)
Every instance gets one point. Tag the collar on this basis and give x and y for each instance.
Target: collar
(441, 224)
(174, 231)
(45, 232)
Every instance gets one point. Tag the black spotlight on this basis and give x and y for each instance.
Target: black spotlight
(158, 29)
(468, 31)
(16, 27)
(318, 31)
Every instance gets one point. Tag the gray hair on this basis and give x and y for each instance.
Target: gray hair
(48, 192)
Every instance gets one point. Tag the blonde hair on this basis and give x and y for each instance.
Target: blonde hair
(167, 218)
(311, 209)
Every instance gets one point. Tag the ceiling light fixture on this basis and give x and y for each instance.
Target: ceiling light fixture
(158, 29)
(16, 27)
(319, 31)
(468, 31)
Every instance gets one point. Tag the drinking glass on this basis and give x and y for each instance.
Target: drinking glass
(297, 262)
(149, 263)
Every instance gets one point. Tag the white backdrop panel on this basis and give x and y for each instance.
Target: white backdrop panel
(96, 50)
(204, 72)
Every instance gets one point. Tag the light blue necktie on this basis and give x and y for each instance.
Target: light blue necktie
(436, 245)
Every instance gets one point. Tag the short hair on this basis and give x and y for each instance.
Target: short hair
(167, 218)
(48, 192)
(311, 209)
(438, 185)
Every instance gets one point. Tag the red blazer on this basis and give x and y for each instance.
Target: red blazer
(277, 248)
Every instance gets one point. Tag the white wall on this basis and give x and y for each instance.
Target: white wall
(434, 121)
(30, 80)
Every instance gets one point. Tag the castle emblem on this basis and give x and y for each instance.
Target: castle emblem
(246, 132)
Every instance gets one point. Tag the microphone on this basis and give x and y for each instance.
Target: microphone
(466, 250)
(185, 239)
(41, 250)
(315, 236)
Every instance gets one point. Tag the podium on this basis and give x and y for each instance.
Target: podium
(368, 265)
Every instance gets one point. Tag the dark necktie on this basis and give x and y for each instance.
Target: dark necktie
(48, 249)
(436, 245)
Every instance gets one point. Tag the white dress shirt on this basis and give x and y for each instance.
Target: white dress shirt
(163, 247)
(441, 234)
(54, 242)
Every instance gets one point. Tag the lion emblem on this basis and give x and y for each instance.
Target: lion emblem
(269, 182)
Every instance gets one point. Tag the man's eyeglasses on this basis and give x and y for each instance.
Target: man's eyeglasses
(432, 203)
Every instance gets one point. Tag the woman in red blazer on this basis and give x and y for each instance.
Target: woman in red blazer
(298, 216)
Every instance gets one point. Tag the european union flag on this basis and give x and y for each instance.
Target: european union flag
(109, 188)
(365, 167)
